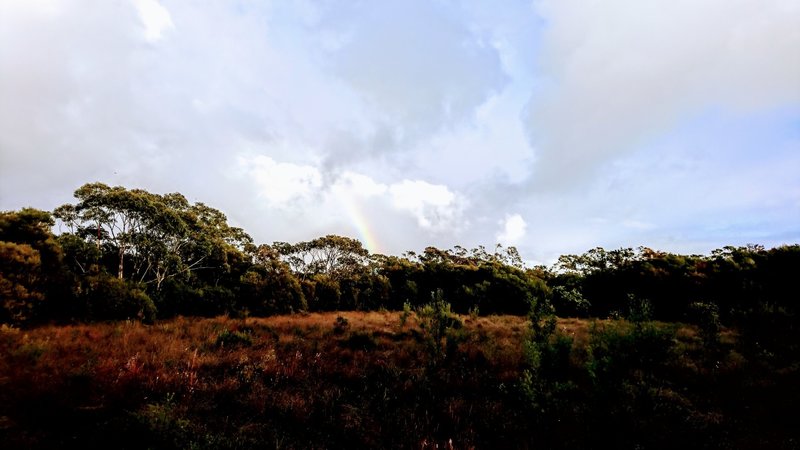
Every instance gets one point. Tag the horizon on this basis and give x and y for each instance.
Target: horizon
(497, 248)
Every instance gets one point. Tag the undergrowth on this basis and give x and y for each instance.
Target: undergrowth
(376, 380)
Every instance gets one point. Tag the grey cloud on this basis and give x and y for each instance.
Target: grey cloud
(417, 67)
(620, 73)
(428, 91)
(63, 79)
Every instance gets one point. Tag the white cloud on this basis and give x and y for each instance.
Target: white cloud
(358, 185)
(617, 73)
(281, 184)
(492, 145)
(389, 117)
(286, 185)
(155, 18)
(514, 227)
(434, 206)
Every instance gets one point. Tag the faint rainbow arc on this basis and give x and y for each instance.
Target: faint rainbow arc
(360, 222)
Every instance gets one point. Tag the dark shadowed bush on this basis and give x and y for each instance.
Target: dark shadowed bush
(109, 298)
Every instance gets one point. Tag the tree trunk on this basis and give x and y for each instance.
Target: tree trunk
(121, 255)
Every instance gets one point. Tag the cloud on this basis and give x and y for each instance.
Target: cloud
(617, 74)
(281, 184)
(416, 66)
(513, 231)
(417, 123)
(155, 18)
(353, 184)
(290, 186)
(434, 206)
(491, 147)
(67, 113)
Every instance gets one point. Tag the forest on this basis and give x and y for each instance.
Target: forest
(141, 320)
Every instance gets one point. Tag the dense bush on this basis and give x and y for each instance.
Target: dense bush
(570, 302)
(109, 298)
(327, 294)
(189, 261)
(264, 293)
(438, 325)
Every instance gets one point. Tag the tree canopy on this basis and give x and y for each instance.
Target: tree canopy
(128, 253)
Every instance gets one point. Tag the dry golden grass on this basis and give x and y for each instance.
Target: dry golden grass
(169, 349)
(294, 371)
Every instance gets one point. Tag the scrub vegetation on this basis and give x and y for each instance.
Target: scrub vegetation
(139, 320)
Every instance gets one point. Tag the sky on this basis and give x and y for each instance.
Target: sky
(555, 126)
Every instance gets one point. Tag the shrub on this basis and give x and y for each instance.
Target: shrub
(161, 426)
(436, 320)
(706, 316)
(570, 302)
(768, 332)
(548, 360)
(618, 352)
(20, 279)
(640, 310)
(265, 293)
(340, 325)
(232, 339)
(111, 298)
(474, 312)
(405, 314)
(327, 294)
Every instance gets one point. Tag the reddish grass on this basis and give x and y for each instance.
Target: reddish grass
(293, 380)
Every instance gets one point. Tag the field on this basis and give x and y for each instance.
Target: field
(385, 380)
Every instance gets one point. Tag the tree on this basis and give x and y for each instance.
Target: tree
(269, 286)
(334, 256)
(20, 282)
(156, 237)
(30, 264)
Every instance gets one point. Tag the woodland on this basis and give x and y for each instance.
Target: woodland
(140, 320)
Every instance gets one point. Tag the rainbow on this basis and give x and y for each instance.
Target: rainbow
(359, 221)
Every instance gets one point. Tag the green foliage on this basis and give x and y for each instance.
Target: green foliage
(437, 322)
(337, 257)
(109, 298)
(265, 293)
(547, 354)
(161, 425)
(151, 237)
(640, 310)
(706, 316)
(176, 298)
(327, 294)
(32, 227)
(570, 302)
(474, 313)
(769, 333)
(20, 289)
(233, 339)
(31, 269)
(619, 353)
(188, 260)
(405, 314)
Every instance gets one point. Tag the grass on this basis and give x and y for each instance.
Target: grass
(302, 381)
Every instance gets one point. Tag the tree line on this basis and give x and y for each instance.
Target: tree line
(119, 253)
